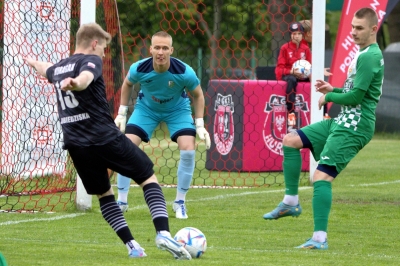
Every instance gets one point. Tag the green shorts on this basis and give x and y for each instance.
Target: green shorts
(333, 144)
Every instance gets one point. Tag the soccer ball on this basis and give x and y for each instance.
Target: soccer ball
(193, 240)
(304, 67)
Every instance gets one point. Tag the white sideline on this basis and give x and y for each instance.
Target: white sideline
(42, 219)
(376, 184)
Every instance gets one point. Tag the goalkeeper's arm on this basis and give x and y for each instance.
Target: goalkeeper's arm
(198, 105)
(126, 91)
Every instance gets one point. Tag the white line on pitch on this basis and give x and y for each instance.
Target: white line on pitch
(202, 199)
(375, 184)
(261, 192)
(226, 196)
(43, 219)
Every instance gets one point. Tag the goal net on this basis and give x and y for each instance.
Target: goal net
(225, 43)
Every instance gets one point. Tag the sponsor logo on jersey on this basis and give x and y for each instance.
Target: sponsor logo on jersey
(74, 118)
(161, 101)
(223, 123)
(64, 69)
(171, 84)
(90, 64)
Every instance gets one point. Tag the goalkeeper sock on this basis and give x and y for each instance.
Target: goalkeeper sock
(123, 185)
(321, 203)
(185, 173)
(291, 169)
(113, 215)
(155, 200)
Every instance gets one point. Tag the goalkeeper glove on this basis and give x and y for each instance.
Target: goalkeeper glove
(120, 120)
(202, 132)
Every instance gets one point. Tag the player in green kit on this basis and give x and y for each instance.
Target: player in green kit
(334, 142)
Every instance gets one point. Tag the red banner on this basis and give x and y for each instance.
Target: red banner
(265, 123)
(345, 48)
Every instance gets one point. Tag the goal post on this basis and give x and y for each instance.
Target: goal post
(87, 15)
(318, 64)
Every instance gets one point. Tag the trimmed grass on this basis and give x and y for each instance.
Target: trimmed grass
(364, 226)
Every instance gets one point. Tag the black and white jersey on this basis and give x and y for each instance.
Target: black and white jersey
(84, 115)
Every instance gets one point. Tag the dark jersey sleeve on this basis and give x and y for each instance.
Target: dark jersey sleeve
(49, 73)
(93, 64)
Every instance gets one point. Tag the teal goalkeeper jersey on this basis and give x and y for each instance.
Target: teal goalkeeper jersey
(365, 73)
(163, 92)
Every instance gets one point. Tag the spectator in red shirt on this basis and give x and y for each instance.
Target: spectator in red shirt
(289, 53)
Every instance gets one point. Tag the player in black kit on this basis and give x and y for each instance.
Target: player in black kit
(95, 143)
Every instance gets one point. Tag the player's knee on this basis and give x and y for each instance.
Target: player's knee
(151, 179)
(292, 140)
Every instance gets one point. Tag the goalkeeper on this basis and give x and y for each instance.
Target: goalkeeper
(164, 83)
(335, 142)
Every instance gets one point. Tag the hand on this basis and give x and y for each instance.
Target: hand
(120, 120)
(30, 61)
(323, 86)
(202, 132)
(321, 102)
(68, 84)
(297, 73)
(327, 73)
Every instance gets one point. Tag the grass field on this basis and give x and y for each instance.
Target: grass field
(364, 226)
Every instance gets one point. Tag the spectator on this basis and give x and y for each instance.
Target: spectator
(289, 53)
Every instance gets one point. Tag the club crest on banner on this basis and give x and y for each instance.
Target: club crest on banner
(223, 123)
(276, 123)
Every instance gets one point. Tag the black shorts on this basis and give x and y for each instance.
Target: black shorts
(119, 155)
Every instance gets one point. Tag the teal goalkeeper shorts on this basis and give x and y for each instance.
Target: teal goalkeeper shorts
(333, 144)
(143, 122)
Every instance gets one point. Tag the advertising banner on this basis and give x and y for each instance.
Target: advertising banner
(345, 48)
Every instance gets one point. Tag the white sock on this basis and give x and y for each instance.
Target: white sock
(291, 200)
(165, 233)
(319, 236)
(123, 196)
(132, 245)
(180, 196)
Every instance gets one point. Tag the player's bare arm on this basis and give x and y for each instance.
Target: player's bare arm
(40, 67)
(198, 102)
(79, 83)
(126, 91)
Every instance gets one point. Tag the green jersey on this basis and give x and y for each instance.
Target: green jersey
(365, 73)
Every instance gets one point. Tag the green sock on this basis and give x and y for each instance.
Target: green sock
(291, 169)
(322, 203)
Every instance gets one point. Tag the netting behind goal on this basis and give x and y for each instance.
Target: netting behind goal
(225, 43)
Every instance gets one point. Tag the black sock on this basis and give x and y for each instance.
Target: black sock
(154, 198)
(114, 217)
